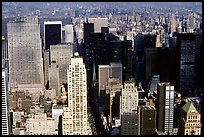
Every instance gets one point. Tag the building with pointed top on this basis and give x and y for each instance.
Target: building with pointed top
(189, 122)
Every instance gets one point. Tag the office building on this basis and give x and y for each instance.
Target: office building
(54, 80)
(151, 62)
(69, 33)
(46, 63)
(173, 24)
(165, 107)
(112, 98)
(57, 111)
(129, 97)
(189, 122)
(40, 124)
(185, 63)
(25, 53)
(104, 75)
(116, 70)
(6, 125)
(5, 53)
(153, 84)
(52, 33)
(67, 121)
(62, 53)
(129, 123)
(17, 117)
(77, 96)
(98, 23)
(88, 28)
(147, 120)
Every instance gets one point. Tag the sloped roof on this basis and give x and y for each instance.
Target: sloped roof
(189, 107)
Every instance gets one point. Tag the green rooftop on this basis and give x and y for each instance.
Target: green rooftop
(189, 107)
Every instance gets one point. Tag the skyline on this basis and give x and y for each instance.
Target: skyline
(116, 68)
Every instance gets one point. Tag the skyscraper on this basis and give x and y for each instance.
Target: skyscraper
(4, 52)
(189, 121)
(173, 24)
(129, 97)
(69, 33)
(165, 107)
(6, 127)
(25, 53)
(88, 28)
(54, 81)
(129, 123)
(77, 96)
(147, 120)
(52, 33)
(185, 62)
(62, 53)
(98, 23)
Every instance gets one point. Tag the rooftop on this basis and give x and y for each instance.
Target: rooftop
(189, 107)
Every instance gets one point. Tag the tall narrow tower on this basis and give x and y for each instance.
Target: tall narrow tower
(5, 104)
(77, 95)
(165, 107)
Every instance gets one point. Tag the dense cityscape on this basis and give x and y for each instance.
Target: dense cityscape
(102, 68)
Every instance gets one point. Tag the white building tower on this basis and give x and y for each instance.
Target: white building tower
(77, 96)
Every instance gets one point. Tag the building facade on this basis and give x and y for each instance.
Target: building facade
(165, 107)
(147, 120)
(77, 95)
(98, 23)
(61, 54)
(40, 124)
(52, 33)
(54, 80)
(69, 33)
(129, 97)
(189, 122)
(6, 127)
(25, 52)
(129, 123)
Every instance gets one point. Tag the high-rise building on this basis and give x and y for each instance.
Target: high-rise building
(98, 23)
(52, 33)
(25, 53)
(104, 75)
(129, 123)
(46, 63)
(6, 126)
(54, 80)
(69, 33)
(129, 97)
(4, 52)
(165, 107)
(185, 63)
(77, 96)
(151, 62)
(62, 53)
(173, 24)
(67, 121)
(112, 98)
(88, 28)
(116, 70)
(189, 122)
(147, 120)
